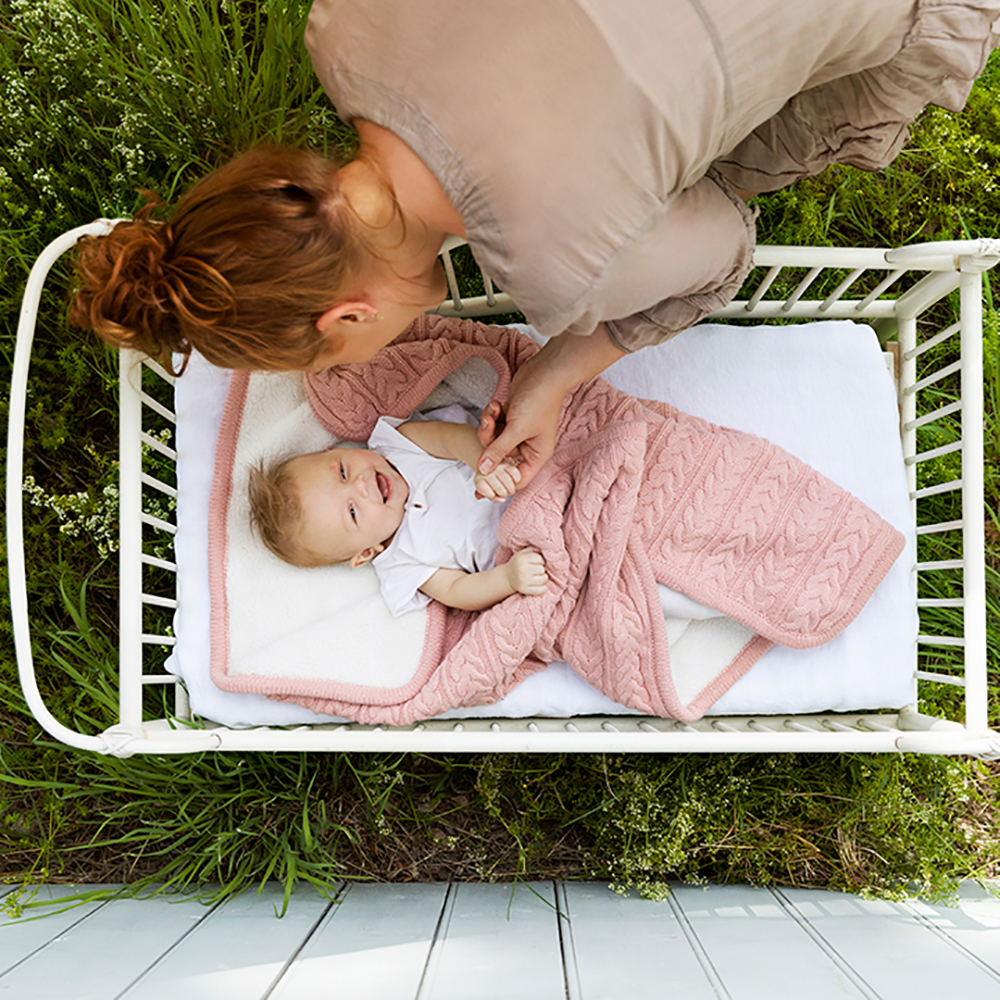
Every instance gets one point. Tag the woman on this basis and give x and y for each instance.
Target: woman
(595, 153)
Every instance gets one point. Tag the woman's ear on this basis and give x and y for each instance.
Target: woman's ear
(349, 312)
(365, 555)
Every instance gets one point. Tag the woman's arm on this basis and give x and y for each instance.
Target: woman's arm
(536, 393)
(523, 574)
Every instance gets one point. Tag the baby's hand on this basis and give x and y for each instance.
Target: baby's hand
(526, 572)
(499, 484)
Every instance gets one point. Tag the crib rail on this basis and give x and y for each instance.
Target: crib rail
(896, 289)
(906, 731)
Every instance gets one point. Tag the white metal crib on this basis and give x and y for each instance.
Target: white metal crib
(939, 269)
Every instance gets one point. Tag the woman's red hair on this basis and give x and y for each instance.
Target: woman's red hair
(255, 253)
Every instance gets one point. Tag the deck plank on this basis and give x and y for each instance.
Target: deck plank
(21, 936)
(101, 955)
(973, 925)
(469, 941)
(373, 945)
(891, 947)
(500, 940)
(758, 950)
(237, 951)
(631, 947)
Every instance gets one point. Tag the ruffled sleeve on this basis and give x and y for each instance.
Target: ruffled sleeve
(702, 246)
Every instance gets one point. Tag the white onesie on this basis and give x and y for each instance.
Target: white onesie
(444, 526)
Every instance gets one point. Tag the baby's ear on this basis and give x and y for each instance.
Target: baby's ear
(365, 555)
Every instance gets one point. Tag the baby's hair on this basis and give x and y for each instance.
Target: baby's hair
(275, 513)
(254, 255)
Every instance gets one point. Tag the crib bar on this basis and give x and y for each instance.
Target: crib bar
(978, 255)
(800, 291)
(945, 449)
(479, 306)
(929, 418)
(130, 537)
(449, 270)
(149, 560)
(927, 675)
(157, 445)
(974, 580)
(907, 337)
(875, 733)
(875, 727)
(158, 679)
(491, 299)
(773, 309)
(937, 339)
(881, 287)
(158, 407)
(155, 484)
(155, 366)
(182, 704)
(929, 491)
(838, 292)
(160, 602)
(941, 564)
(483, 740)
(159, 524)
(886, 733)
(149, 639)
(940, 602)
(762, 288)
(869, 258)
(16, 570)
(925, 293)
(937, 529)
(936, 377)
(940, 640)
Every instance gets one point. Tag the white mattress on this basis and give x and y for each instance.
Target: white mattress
(819, 390)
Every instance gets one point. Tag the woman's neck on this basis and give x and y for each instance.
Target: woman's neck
(418, 192)
(405, 216)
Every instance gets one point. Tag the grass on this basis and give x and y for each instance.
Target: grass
(99, 98)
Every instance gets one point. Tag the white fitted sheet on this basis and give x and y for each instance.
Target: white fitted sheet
(819, 390)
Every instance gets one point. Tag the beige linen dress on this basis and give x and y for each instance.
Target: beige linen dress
(587, 144)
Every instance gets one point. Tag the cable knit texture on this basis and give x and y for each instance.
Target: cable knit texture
(636, 493)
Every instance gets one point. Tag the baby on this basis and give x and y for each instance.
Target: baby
(411, 504)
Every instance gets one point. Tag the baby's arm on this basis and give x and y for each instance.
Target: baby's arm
(523, 574)
(459, 442)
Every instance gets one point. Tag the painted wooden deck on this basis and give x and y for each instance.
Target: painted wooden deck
(544, 941)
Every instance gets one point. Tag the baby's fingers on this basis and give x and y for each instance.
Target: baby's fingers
(504, 481)
(484, 488)
(533, 576)
(535, 585)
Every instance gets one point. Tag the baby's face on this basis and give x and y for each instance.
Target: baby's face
(352, 502)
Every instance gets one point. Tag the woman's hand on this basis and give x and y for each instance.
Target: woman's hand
(527, 428)
(531, 414)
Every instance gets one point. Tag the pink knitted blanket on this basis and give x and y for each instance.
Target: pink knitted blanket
(636, 493)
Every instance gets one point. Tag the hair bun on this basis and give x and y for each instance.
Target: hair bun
(134, 293)
(121, 290)
(253, 255)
